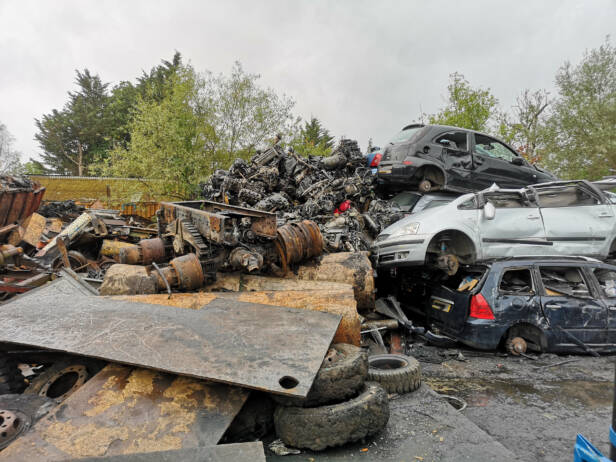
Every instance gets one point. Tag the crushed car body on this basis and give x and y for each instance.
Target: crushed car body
(568, 218)
(439, 157)
(540, 304)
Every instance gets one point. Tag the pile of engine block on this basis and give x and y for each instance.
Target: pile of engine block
(337, 192)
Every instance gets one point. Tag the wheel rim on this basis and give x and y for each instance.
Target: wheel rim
(12, 424)
(65, 382)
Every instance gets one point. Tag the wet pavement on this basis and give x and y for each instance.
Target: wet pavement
(533, 409)
(517, 409)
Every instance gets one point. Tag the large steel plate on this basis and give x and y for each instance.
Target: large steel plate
(270, 348)
(125, 410)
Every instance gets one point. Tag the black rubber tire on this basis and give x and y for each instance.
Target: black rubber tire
(11, 378)
(424, 186)
(396, 373)
(341, 376)
(317, 428)
(80, 369)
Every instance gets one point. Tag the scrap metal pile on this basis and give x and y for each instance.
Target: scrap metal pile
(336, 192)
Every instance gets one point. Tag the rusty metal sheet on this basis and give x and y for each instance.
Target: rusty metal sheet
(237, 452)
(16, 204)
(125, 410)
(271, 348)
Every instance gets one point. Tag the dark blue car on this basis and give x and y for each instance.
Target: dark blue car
(549, 304)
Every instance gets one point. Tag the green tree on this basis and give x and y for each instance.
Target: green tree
(313, 139)
(72, 138)
(9, 157)
(167, 138)
(34, 167)
(580, 133)
(467, 107)
(242, 115)
(525, 127)
(193, 124)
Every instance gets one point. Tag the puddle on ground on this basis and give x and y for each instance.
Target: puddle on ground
(478, 392)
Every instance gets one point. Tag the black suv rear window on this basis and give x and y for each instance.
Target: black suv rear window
(405, 135)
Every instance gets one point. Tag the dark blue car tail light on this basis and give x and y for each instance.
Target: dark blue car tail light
(480, 308)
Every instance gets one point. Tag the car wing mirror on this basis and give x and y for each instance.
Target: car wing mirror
(489, 211)
(517, 161)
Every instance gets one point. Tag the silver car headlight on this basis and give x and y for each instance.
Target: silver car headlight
(411, 228)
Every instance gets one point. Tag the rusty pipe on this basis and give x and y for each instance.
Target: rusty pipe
(145, 252)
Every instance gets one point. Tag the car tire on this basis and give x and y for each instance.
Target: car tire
(425, 186)
(11, 378)
(59, 380)
(342, 374)
(317, 428)
(396, 373)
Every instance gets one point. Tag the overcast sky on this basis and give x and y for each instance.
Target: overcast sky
(365, 68)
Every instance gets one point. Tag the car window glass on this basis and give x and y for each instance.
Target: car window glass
(490, 147)
(563, 281)
(607, 280)
(517, 281)
(405, 135)
(455, 141)
(506, 200)
(565, 196)
(405, 199)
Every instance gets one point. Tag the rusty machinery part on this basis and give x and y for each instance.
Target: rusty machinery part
(76, 259)
(9, 253)
(244, 258)
(111, 248)
(62, 378)
(516, 346)
(145, 252)
(186, 233)
(18, 413)
(12, 424)
(183, 272)
(448, 263)
(297, 242)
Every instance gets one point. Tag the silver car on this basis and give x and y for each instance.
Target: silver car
(557, 218)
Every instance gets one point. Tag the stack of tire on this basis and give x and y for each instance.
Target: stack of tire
(348, 400)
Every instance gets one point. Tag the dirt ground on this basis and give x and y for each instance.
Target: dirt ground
(517, 409)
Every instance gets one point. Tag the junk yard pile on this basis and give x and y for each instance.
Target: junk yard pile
(254, 316)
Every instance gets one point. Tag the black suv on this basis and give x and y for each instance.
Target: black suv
(433, 157)
(543, 304)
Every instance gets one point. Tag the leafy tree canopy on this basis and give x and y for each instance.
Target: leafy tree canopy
(467, 107)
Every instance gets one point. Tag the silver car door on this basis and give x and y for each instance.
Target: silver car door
(575, 218)
(515, 230)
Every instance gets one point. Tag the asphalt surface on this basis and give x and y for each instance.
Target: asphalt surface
(517, 409)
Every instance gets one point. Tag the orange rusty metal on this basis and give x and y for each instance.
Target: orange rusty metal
(17, 204)
(297, 242)
(183, 272)
(144, 252)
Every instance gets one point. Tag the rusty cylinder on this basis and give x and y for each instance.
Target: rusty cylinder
(145, 252)
(296, 242)
(112, 249)
(183, 272)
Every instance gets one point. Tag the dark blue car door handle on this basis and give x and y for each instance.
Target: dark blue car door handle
(553, 306)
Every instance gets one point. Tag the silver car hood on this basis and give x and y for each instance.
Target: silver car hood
(429, 218)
